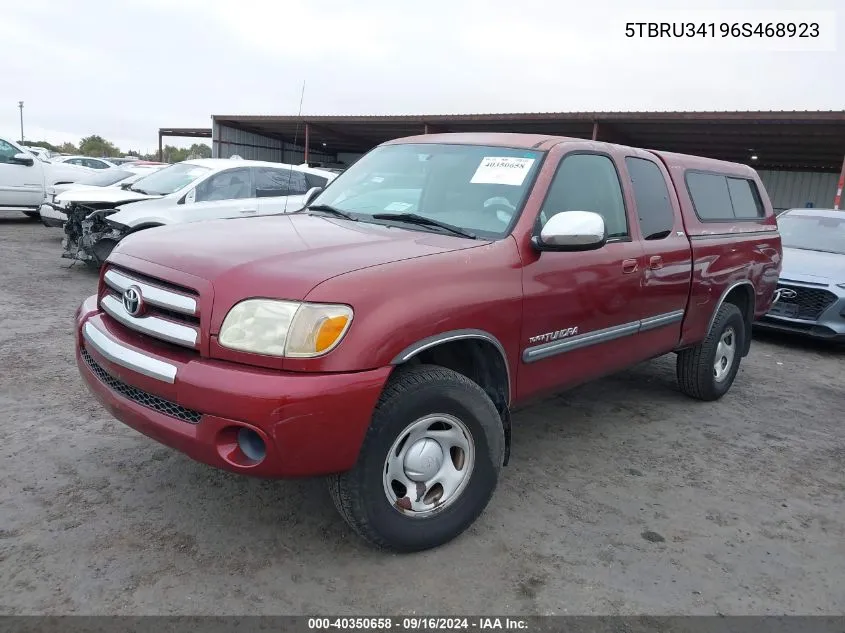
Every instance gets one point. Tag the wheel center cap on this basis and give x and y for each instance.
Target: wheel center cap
(423, 460)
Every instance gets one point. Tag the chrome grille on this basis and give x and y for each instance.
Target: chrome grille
(168, 313)
(143, 398)
(808, 303)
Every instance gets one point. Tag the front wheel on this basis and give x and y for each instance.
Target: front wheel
(707, 371)
(428, 465)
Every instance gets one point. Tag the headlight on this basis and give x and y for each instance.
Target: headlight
(292, 329)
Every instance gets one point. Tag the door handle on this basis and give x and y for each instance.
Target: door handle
(629, 266)
(656, 262)
(247, 210)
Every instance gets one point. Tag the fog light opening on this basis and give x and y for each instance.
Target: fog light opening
(251, 444)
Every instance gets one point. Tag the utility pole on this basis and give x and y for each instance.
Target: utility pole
(20, 106)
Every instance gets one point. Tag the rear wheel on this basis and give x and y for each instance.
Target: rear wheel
(707, 371)
(429, 463)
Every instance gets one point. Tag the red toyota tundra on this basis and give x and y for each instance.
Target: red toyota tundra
(382, 335)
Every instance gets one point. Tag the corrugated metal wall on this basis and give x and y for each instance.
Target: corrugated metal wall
(227, 141)
(786, 189)
(793, 189)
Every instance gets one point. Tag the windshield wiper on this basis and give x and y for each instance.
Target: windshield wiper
(421, 220)
(141, 191)
(327, 208)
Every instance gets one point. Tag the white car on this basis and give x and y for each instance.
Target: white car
(24, 178)
(52, 214)
(190, 191)
(85, 161)
(41, 152)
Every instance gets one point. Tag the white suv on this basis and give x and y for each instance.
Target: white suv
(190, 191)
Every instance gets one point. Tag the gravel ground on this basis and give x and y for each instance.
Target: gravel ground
(622, 496)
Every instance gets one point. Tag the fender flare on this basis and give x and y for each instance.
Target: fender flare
(456, 335)
(752, 308)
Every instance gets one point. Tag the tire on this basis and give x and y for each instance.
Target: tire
(375, 508)
(698, 376)
(32, 215)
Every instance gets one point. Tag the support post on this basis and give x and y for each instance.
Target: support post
(307, 140)
(841, 185)
(425, 128)
(595, 130)
(160, 151)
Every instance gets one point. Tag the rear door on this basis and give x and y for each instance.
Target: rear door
(279, 189)
(667, 256)
(20, 185)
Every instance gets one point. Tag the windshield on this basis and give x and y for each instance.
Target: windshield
(476, 188)
(169, 179)
(813, 232)
(105, 177)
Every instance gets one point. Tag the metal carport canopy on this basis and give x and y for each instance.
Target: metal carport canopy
(799, 140)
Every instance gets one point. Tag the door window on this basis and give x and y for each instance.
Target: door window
(233, 184)
(588, 182)
(271, 182)
(7, 152)
(316, 181)
(654, 209)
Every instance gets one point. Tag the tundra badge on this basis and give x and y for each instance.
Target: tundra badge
(553, 336)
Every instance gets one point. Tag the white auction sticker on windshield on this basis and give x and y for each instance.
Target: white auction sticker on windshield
(502, 170)
(398, 206)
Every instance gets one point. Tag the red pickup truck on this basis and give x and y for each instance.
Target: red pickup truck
(382, 335)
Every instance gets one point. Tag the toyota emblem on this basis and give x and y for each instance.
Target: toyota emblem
(132, 301)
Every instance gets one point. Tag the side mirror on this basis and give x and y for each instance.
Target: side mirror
(24, 159)
(312, 193)
(572, 231)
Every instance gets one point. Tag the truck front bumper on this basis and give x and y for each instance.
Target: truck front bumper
(50, 216)
(309, 424)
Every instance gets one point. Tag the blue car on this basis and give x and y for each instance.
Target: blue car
(811, 289)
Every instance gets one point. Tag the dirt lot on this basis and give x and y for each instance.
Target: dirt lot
(622, 496)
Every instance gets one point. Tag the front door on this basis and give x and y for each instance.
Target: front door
(226, 194)
(580, 308)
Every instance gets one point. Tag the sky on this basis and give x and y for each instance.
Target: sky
(122, 69)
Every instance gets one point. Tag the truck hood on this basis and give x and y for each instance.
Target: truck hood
(280, 256)
(96, 195)
(812, 266)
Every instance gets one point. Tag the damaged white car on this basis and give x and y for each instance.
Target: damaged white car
(190, 191)
(53, 214)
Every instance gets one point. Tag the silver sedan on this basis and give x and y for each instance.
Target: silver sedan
(812, 282)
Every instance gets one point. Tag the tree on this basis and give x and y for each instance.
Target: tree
(171, 154)
(95, 145)
(43, 144)
(68, 148)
